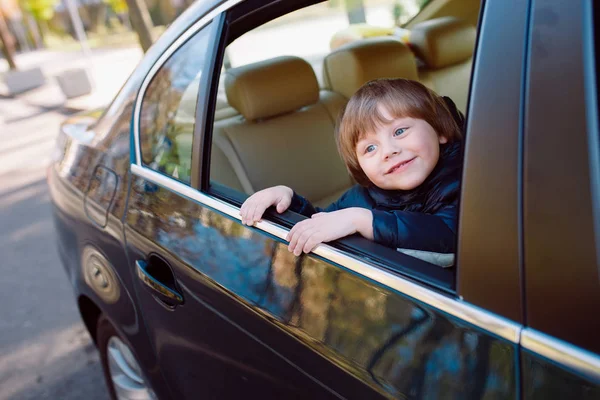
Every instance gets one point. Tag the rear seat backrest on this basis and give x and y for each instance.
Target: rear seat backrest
(354, 64)
(285, 133)
(445, 46)
(184, 120)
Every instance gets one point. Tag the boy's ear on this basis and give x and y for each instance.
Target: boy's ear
(443, 140)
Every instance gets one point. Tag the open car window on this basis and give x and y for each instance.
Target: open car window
(275, 125)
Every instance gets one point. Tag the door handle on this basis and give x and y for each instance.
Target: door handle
(163, 289)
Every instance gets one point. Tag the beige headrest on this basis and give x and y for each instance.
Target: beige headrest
(443, 41)
(356, 63)
(271, 87)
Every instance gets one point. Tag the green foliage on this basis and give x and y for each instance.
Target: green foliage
(41, 10)
(118, 6)
(398, 11)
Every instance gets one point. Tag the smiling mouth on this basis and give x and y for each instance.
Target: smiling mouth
(400, 166)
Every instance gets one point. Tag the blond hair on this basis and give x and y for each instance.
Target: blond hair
(402, 98)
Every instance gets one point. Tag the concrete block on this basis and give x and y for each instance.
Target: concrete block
(23, 80)
(74, 82)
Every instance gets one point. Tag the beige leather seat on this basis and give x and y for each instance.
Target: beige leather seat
(184, 116)
(184, 121)
(222, 109)
(354, 64)
(285, 133)
(445, 46)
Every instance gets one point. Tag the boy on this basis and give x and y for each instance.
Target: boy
(401, 143)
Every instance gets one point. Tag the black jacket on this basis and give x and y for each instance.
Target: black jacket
(424, 218)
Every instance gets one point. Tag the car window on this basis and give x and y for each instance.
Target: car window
(267, 131)
(168, 110)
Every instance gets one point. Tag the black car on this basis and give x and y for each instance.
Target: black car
(185, 302)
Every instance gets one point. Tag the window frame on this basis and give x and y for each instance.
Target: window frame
(238, 22)
(447, 301)
(567, 237)
(490, 220)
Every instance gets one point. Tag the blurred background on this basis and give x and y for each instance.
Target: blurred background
(60, 57)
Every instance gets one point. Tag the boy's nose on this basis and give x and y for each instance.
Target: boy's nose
(391, 151)
(390, 148)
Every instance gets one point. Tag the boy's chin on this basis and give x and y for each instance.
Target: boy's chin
(402, 184)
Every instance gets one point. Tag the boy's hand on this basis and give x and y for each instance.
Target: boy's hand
(325, 227)
(254, 207)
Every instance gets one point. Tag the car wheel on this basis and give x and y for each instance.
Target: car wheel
(122, 372)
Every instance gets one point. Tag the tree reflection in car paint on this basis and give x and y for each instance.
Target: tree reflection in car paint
(108, 148)
(543, 379)
(377, 334)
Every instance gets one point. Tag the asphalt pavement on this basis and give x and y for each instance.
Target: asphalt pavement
(45, 351)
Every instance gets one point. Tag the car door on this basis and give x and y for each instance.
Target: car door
(561, 351)
(231, 312)
(197, 329)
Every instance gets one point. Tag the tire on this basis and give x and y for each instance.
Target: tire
(121, 370)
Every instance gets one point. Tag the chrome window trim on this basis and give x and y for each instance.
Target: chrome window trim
(563, 353)
(201, 23)
(474, 315)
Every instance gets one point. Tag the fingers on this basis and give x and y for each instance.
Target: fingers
(304, 236)
(253, 209)
(299, 240)
(293, 235)
(283, 204)
(257, 212)
(312, 242)
(243, 211)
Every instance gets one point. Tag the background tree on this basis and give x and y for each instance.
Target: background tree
(141, 22)
(42, 11)
(398, 11)
(34, 30)
(118, 6)
(120, 9)
(96, 11)
(8, 43)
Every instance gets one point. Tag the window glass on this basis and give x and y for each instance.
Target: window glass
(168, 110)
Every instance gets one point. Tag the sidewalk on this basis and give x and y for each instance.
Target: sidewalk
(109, 69)
(45, 350)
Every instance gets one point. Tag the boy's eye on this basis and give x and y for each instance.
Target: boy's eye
(399, 131)
(370, 148)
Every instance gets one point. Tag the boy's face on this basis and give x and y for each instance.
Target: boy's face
(401, 154)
